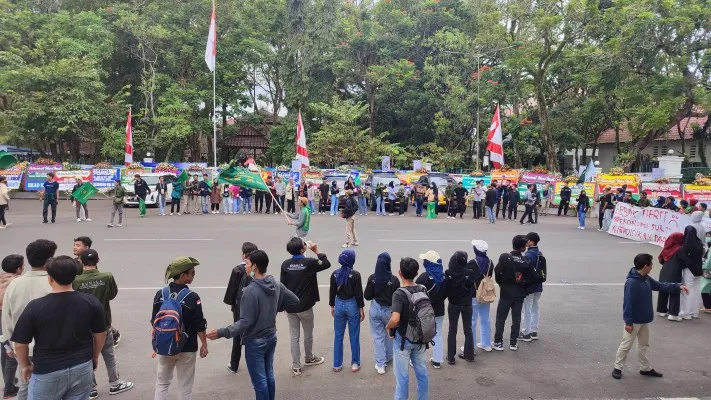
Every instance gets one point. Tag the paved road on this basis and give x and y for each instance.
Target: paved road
(581, 323)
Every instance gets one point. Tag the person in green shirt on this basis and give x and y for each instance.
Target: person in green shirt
(102, 286)
(117, 204)
(643, 200)
(302, 219)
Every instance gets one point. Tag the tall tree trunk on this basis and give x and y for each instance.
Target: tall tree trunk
(546, 134)
(371, 110)
(617, 139)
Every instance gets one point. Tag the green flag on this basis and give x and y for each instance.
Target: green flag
(141, 207)
(84, 193)
(7, 160)
(242, 177)
(183, 176)
(357, 180)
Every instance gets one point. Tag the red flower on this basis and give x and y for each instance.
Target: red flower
(409, 62)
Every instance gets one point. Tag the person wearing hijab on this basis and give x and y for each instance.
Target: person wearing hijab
(582, 208)
(379, 291)
(691, 262)
(461, 283)
(346, 301)
(334, 198)
(480, 312)
(392, 195)
(705, 284)
(696, 218)
(661, 200)
(435, 192)
(668, 304)
(433, 280)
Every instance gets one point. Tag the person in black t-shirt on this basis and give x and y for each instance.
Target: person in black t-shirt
(346, 301)
(380, 288)
(298, 274)
(405, 352)
(67, 345)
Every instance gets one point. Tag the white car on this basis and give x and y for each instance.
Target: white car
(152, 199)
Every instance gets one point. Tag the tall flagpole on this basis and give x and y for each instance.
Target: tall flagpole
(214, 105)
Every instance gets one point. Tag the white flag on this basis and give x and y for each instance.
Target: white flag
(211, 48)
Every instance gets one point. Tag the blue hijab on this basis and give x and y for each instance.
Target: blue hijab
(435, 270)
(382, 272)
(347, 260)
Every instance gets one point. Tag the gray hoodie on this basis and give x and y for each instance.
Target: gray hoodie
(696, 218)
(261, 301)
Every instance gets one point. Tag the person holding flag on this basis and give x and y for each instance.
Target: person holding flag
(80, 195)
(77, 205)
(141, 189)
(177, 194)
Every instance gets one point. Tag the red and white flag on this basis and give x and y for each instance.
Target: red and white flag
(211, 48)
(128, 154)
(496, 141)
(301, 153)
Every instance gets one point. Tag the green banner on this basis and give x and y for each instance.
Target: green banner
(84, 193)
(242, 177)
(7, 160)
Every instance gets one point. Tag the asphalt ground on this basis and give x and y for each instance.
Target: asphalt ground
(580, 329)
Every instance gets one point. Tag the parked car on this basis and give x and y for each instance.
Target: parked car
(384, 178)
(441, 179)
(151, 179)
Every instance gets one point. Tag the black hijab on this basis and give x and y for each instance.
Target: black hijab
(457, 267)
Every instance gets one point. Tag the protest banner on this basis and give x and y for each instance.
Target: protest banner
(470, 181)
(655, 190)
(530, 177)
(104, 177)
(589, 188)
(698, 192)
(37, 175)
(650, 225)
(510, 176)
(617, 181)
(67, 179)
(14, 177)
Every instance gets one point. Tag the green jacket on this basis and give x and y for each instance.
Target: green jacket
(99, 284)
(449, 191)
(119, 194)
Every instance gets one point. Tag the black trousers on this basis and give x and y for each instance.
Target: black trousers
(669, 303)
(47, 203)
(504, 207)
(268, 200)
(466, 312)
(502, 312)
(175, 203)
(535, 213)
(290, 206)
(323, 204)
(2, 214)
(498, 207)
(236, 347)
(259, 201)
(601, 216)
(563, 206)
(513, 210)
(529, 213)
(9, 367)
(706, 297)
(214, 206)
(477, 210)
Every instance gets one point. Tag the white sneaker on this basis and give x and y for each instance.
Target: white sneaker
(582, 228)
(662, 314)
(88, 220)
(479, 345)
(119, 225)
(380, 370)
(180, 214)
(171, 213)
(673, 318)
(687, 317)
(78, 219)
(110, 225)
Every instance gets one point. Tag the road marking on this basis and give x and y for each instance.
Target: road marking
(157, 240)
(328, 286)
(424, 240)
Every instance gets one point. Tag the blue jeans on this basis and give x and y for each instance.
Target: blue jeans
(226, 205)
(481, 313)
(346, 312)
(382, 343)
(438, 348)
(490, 213)
(414, 353)
(581, 218)
(362, 206)
(69, 384)
(312, 206)
(334, 204)
(529, 314)
(247, 204)
(380, 205)
(205, 204)
(161, 203)
(236, 203)
(418, 207)
(259, 356)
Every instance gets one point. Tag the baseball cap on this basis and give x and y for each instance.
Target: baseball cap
(90, 257)
(431, 256)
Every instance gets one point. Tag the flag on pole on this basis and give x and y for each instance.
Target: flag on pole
(211, 47)
(182, 177)
(84, 192)
(496, 141)
(128, 155)
(301, 153)
(7, 160)
(242, 177)
(589, 174)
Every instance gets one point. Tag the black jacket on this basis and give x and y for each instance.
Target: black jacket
(299, 276)
(161, 188)
(514, 197)
(491, 198)
(461, 286)
(351, 207)
(352, 289)
(385, 297)
(505, 274)
(141, 188)
(565, 193)
(671, 269)
(239, 278)
(436, 294)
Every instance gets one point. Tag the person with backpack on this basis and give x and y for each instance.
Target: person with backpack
(349, 210)
(434, 280)
(379, 290)
(484, 295)
(298, 274)
(461, 283)
(512, 273)
(346, 300)
(101, 284)
(175, 340)
(412, 326)
(534, 290)
(239, 279)
(260, 303)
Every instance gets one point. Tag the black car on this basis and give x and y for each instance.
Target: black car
(383, 178)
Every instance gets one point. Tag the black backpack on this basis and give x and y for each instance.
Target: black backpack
(539, 270)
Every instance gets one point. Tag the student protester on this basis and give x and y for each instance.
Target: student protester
(66, 344)
(323, 188)
(363, 195)
(504, 195)
(529, 203)
(461, 283)
(246, 196)
(81, 244)
(565, 195)
(334, 197)
(12, 267)
(637, 313)
(182, 271)
(215, 197)
(392, 196)
(302, 220)
(404, 352)
(193, 199)
(226, 200)
(705, 284)
(117, 203)
(315, 201)
(298, 274)
(141, 189)
(269, 193)
(420, 197)
(692, 263)
(49, 197)
(162, 191)
(629, 199)
(671, 256)
(608, 206)
(492, 200)
(530, 314)
(260, 303)
(311, 197)
(547, 197)
(512, 293)
(644, 200)
(204, 189)
(4, 201)
(379, 291)
(102, 286)
(499, 195)
(33, 284)
(479, 195)
(239, 279)
(480, 312)
(432, 201)
(514, 199)
(346, 300)
(290, 197)
(236, 199)
(176, 196)
(582, 208)
(280, 190)
(434, 280)
(77, 205)
(349, 210)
